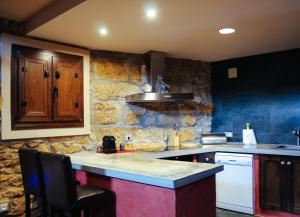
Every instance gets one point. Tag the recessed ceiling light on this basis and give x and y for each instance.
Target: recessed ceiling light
(103, 31)
(151, 13)
(226, 31)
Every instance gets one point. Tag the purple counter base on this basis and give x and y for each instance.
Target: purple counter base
(141, 200)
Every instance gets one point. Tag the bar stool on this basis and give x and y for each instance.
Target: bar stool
(33, 181)
(63, 195)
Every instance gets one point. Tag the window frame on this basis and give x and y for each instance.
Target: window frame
(7, 131)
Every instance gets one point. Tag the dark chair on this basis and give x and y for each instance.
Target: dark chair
(62, 194)
(33, 182)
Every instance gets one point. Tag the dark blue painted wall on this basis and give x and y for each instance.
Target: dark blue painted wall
(266, 94)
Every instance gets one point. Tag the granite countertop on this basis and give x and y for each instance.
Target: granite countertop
(267, 149)
(147, 168)
(134, 167)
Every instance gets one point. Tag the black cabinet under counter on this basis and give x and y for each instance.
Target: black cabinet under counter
(207, 157)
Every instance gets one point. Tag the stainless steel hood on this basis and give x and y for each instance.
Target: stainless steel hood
(159, 97)
(155, 66)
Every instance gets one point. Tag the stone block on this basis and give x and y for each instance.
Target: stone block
(17, 145)
(93, 137)
(134, 68)
(111, 69)
(17, 206)
(1, 100)
(9, 162)
(81, 139)
(187, 107)
(157, 134)
(33, 144)
(112, 90)
(107, 113)
(43, 147)
(149, 146)
(71, 149)
(4, 177)
(89, 147)
(149, 120)
(189, 121)
(132, 118)
(11, 170)
(13, 192)
(207, 109)
(68, 144)
(187, 135)
(134, 114)
(155, 108)
(55, 147)
(167, 121)
(8, 155)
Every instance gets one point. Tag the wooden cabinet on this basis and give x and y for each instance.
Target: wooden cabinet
(47, 89)
(279, 183)
(67, 87)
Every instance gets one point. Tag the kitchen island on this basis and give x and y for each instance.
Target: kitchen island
(146, 187)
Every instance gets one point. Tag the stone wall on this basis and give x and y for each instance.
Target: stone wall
(113, 76)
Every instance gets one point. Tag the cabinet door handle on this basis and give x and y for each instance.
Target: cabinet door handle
(289, 163)
(207, 159)
(46, 74)
(282, 163)
(55, 92)
(57, 75)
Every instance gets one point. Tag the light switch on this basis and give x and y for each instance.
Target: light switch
(232, 72)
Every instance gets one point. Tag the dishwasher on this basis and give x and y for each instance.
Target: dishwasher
(234, 185)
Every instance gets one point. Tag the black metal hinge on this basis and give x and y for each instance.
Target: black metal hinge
(18, 54)
(76, 75)
(24, 69)
(24, 103)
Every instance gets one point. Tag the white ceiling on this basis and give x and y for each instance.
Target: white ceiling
(20, 10)
(187, 29)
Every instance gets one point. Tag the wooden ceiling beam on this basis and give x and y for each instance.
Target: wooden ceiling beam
(48, 13)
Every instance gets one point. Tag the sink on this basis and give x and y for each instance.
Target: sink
(289, 147)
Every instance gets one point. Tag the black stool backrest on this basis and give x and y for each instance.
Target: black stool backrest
(32, 174)
(59, 180)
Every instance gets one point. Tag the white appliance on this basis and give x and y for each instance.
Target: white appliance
(234, 185)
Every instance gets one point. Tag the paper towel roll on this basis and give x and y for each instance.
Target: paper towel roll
(249, 137)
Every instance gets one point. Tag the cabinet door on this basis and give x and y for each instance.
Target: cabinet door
(293, 184)
(68, 88)
(31, 83)
(270, 181)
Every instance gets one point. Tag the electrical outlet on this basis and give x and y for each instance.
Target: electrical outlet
(229, 134)
(232, 73)
(128, 137)
(4, 207)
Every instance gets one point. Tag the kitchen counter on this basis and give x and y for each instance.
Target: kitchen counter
(145, 185)
(267, 149)
(145, 167)
(150, 187)
(139, 167)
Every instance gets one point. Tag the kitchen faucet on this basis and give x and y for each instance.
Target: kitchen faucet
(297, 133)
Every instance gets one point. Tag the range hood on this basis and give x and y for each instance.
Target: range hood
(155, 66)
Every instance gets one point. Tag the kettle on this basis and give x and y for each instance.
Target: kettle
(109, 144)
